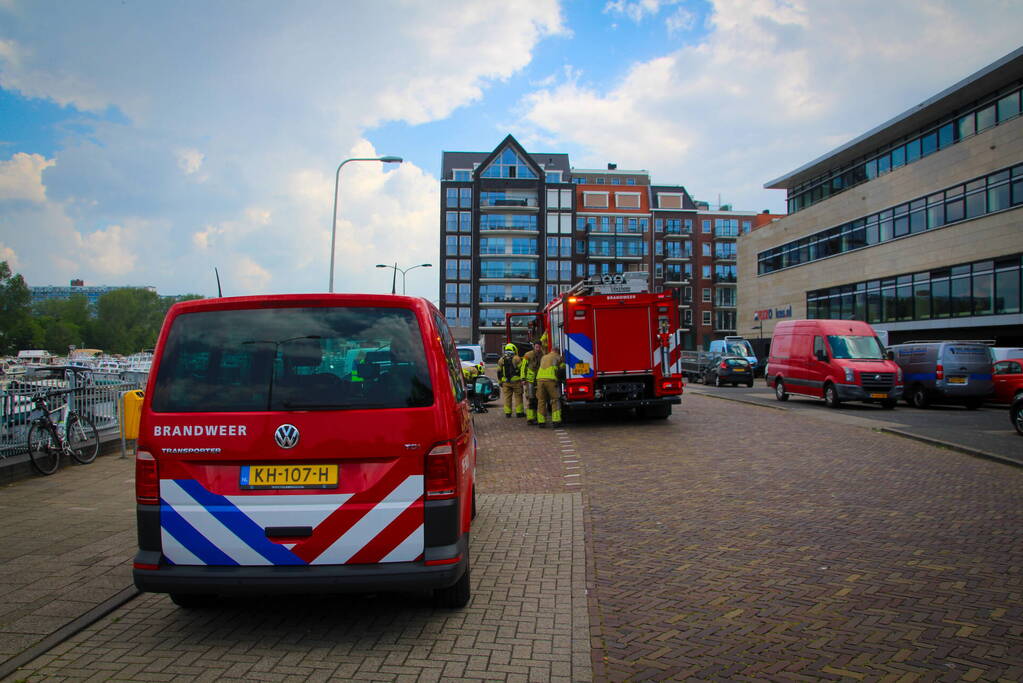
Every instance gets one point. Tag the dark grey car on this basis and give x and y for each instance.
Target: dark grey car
(732, 370)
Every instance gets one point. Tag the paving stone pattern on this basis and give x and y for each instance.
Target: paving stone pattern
(528, 621)
(736, 543)
(66, 543)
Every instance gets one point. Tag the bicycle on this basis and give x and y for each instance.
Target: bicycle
(45, 443)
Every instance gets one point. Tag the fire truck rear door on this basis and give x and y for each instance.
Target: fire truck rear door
(622, 339)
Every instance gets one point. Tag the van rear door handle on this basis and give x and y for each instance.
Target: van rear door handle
(288, 531)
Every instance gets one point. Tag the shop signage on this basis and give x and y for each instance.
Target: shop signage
(773, 313)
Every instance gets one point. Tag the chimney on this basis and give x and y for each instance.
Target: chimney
(612, 167)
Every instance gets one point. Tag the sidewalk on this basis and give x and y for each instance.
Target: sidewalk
(66, 545)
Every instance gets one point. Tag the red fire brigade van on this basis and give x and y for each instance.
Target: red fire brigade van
(620, 345)
(305, 444)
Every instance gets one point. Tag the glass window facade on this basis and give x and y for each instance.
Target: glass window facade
(926, 142)
(994, 192)
(508, 164)
(989, 287)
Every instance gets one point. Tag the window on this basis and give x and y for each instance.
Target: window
(595, 200)
(464, 221)
(451, 221)
(553, 176)
(706, 318)
(706, 294)
(627, 200)
(705, 274)
(705, 249)
(630, 181)
(254, 360)
(462, 174)
(465, 197)
(451, 197)
(658, 225)
(508, 164)
(705, 227)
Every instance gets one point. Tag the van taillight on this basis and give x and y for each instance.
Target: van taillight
(147, 480)
(939, 372)
(441, 480)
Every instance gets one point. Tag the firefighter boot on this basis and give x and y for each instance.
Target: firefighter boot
(556, 418)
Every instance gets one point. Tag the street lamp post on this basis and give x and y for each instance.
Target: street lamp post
(337, 183)
(397, 270)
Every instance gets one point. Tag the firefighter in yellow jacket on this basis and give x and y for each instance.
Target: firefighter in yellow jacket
(548, 383)
(530, 364)
(508, 369)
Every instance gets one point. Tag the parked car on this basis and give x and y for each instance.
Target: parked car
(945, 372)
(735, 346)
(1008, 380)
(1016, 414)
(837, 360)
(268, 463)
(729, 370)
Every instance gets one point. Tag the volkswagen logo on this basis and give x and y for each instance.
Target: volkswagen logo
(286, 436)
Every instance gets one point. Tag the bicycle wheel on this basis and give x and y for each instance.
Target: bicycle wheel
(42, 449)
(82, 438)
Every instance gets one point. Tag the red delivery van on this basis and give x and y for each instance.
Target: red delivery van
(837, 360)
(305, 444)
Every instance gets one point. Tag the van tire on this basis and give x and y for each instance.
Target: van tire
(779, 390)
(920, 397)
(454, 596)
(831, 396)
(192, 600)
(749, 384)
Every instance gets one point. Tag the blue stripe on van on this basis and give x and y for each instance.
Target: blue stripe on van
(920, 377)
(239, 523)
(186, 534)
(981, 377)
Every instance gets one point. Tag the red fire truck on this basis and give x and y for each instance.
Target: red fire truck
(620, 345)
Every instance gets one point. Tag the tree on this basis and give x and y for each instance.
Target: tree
(64, 322)
(18, 330)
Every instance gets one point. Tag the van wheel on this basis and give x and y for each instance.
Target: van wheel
(779, 390)
(749, 384)
(831, 396)
(455, 596)
(920, 398)
(192, 600)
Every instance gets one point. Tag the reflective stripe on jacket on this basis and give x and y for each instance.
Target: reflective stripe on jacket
(549, 366)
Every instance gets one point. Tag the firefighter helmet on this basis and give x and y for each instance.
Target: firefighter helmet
(510, 348)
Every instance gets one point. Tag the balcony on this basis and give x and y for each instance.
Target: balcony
(728, 257)
(724, 279)
(723, 235)
(491, 302)
(495, 276)
(679, 256)
(516, 204)
(508, 254)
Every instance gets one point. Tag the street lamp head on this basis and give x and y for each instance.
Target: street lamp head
(426, 265)
(391, 160)
(381, 265)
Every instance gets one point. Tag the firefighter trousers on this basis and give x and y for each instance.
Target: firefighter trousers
(529, 393)
(511, 392)
(548, 390)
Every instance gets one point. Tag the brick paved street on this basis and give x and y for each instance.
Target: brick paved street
(730, 542)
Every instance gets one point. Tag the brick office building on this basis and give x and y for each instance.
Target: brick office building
(517, 228)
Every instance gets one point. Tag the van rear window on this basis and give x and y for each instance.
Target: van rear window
(293, 359)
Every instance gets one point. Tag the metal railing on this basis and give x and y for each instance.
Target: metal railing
(96, 400)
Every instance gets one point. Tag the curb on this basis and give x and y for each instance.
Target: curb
(68, 630)
(975, 452)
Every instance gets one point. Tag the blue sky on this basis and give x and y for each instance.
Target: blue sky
(147, 143)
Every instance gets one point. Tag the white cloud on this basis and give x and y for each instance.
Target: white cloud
(8, 254)
(681, 20)
(219, 129)
(190, 160)
(106, 252)
(637, 10)
(21, 177)
(772, 85)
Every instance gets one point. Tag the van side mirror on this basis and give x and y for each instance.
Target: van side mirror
(890, 355)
